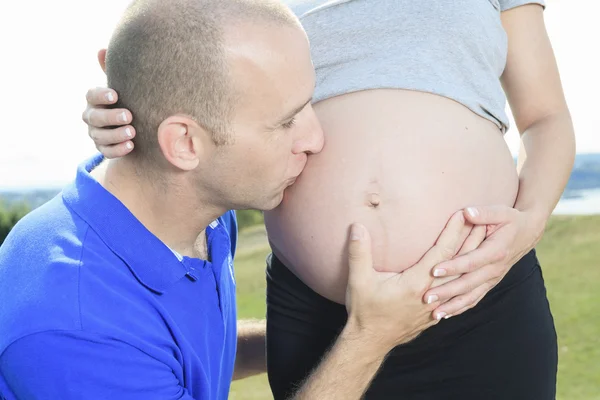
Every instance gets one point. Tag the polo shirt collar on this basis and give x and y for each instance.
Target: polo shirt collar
(148, 258)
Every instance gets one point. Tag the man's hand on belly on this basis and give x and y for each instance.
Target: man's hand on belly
(372, 297)
(384, 309)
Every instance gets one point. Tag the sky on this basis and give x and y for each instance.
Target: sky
(49, 61)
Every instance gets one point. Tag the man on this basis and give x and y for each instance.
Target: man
(122, 286)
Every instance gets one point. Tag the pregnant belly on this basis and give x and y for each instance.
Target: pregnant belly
(400, 162)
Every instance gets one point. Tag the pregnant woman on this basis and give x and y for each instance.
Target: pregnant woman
(411, 96)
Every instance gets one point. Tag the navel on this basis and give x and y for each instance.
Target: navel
(373, 200)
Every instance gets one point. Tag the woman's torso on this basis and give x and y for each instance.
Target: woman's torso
(399, 161)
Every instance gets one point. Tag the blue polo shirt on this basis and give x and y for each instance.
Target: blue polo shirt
(94, 306)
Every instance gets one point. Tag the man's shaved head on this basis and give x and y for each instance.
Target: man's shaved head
(169, 57)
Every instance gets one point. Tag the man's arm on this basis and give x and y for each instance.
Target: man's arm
(251, 349)
(82, 365)
(347, 370)
(384, 310)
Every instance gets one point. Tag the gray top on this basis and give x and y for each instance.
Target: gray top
(453, 48)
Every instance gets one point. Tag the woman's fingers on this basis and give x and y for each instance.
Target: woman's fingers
(109, 128)
(105, 117)
(100, 96)
(466, 284)
(461, 304)
(488, 252)
(116, 150)
(476, 237)
(109, 137)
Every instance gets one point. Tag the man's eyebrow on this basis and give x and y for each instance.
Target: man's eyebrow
(295, 111)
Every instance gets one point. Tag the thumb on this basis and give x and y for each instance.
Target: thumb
(488, 215)
(360, 259)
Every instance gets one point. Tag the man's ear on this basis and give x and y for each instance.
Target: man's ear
(183, 142)
(102, 59)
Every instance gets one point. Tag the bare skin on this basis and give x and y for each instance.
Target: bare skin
(376, 323)
(375, 319)
(513, 211)
(354, 179)
(511, 214)
(387, 144)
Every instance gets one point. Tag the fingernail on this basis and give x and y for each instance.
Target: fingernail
(439, 272)
(123, 117)
(357, 232)
(432, 298)
(128, 133)
(129, 145)
(447, 316)
(472, 212)
(110, 97)
(440, 315)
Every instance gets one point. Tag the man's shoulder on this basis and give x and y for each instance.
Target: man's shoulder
(43, 224)
(39, 272)
(48, 234)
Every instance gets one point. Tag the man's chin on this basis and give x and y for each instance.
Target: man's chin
(278, 198)
(272, 203)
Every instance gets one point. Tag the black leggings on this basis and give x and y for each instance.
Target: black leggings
(505, 348)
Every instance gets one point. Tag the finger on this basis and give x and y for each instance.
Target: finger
(464, 309)
(465, 284)
(103, 117)
(443, 280)
(476, 237)
(446, 246)
(109, 137)
(460, 304)
(431, 297)
(448, 243)
(489, 252)
(450, 239)
(101, 96)
(117, 150)
(453, 235)
(483, 215)
(360, 259)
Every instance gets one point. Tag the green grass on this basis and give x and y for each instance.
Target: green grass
(570, 257)
(250, 276)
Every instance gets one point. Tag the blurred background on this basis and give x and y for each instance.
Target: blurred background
(49, 61)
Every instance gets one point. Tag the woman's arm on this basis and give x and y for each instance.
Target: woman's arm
(532, 84)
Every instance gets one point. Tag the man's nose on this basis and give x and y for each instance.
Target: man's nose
(312, 140)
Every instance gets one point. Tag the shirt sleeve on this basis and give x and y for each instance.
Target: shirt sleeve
(508, 4)
(81, 365)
